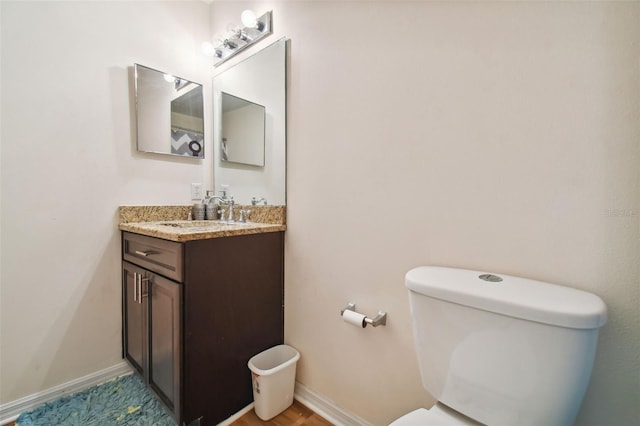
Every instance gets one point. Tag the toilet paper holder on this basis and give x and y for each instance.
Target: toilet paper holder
(380, 319)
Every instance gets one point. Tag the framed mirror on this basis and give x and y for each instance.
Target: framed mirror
(169, 113)
(242, 127)
(259, 80)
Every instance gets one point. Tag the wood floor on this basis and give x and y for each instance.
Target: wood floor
(296, 415)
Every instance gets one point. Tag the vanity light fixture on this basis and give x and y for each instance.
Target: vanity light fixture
(234, 41)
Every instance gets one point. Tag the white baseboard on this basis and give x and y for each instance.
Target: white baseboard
(11, 410)
(326, 408)
(237, 415)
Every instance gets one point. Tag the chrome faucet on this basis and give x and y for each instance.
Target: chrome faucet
(223, 198)
(225, 201)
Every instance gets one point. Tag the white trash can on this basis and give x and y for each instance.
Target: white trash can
(273, 375)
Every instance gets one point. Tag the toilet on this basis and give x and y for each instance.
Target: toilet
(500, 350)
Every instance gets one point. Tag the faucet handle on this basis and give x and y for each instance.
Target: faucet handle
(244, 215)
(255, 201)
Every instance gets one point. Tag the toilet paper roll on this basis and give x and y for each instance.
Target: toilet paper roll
(354, 318)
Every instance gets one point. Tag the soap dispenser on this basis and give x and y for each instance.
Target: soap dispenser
(211, 209)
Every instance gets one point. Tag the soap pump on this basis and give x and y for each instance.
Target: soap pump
(211, 209)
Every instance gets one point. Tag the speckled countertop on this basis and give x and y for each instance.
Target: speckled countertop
(167, 222)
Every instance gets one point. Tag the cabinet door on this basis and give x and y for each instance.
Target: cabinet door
(134, 317)
(165, 340)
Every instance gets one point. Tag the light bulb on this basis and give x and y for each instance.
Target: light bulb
(219, 38)
(169, 78)
(249, 19)
(208, 49)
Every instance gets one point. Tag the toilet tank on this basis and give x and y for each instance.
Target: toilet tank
(501, 349)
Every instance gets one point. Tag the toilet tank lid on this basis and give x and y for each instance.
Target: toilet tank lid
(513, 296)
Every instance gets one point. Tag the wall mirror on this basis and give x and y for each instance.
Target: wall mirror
(260, 80)
(242, 131)
(169, 113)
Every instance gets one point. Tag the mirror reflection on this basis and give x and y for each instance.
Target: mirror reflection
(169, 113)
(242, 127)
(259, 79)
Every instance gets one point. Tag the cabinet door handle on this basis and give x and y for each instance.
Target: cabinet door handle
(145, 253)
(135, 286)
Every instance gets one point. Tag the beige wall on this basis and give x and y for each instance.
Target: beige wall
(68, 162)
(497, 136)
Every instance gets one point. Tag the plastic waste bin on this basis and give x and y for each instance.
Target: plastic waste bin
(273, 375)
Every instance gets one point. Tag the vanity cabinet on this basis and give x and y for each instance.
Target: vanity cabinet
(194, 313)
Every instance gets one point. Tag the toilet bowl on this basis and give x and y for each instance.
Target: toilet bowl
(438, 415)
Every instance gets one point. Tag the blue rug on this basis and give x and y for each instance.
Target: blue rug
(122, 401)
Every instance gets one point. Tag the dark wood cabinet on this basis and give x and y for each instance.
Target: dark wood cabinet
(203, 308)
(153, 331)
(165, 340)
(134, 319)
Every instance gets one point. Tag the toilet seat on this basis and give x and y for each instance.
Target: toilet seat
(435, 416)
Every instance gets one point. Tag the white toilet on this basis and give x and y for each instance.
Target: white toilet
(500, 350)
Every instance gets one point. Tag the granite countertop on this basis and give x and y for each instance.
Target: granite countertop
(167, 222)
(189, 230)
